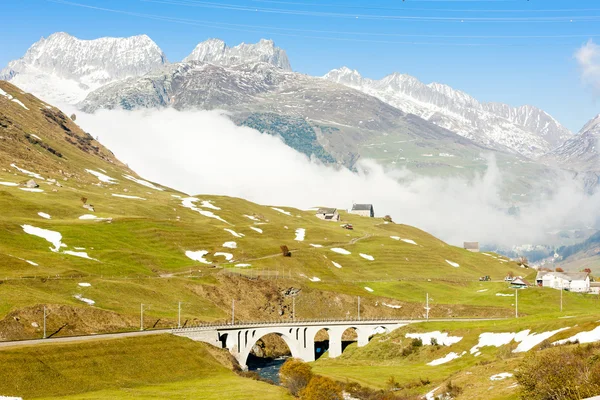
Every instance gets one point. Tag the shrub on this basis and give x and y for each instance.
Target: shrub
(391, 383)
(322, 388)
(295, 375)
(387, 218)
(452, 390)
(560, 373)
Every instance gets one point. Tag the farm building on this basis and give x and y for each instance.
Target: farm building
(328, 214)
(595, 287)
(364, 210)
(472, 246)
(572, 281)
(520, 283)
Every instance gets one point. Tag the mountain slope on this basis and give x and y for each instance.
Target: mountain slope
(64, 68)
(344, 120)
(526, 130)
(582, 152)
(215, 51)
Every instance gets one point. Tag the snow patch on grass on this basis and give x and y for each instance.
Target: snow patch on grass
(583, 337)
(449, 357)
(243, 265)
(9, 184)
(102, 177)
(230, 245)
(442, 338)
(336, 265)
(501, 376)
(81, 254)
(390, 305)
(234, 233)
(315, 279)
(340, 251)
(282, 211)
(316, 245)
(209, 204)
(93, 217)
(300, 233)
(410, 241)
(51, 236)
(44, 215)
(198, 256)
(143, 182)
(452, 263)
(125, 196)
(367, 257)
(252, 217)
(256, 229)
(505, 294)
(87, 301)
(482, 290)
(228, 256)
(84, 284)
(368, 289)
(530, 341)
(188, 202)
(33, 190)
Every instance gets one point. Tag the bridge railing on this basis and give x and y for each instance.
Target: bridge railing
(243, 324)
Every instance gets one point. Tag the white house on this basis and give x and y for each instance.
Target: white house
(364, 210)
(328, 214)
(572, 281)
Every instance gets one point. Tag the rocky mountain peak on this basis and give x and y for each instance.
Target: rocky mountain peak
(215, 51)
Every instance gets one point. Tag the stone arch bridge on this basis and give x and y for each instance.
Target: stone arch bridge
(298, 335)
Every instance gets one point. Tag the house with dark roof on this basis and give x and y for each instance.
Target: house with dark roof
(572, 281)
(364, 210)
(328, 214)
(519, 283)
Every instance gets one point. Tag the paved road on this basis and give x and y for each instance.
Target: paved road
(87, 338)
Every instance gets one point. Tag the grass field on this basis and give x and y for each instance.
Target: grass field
(144, 367)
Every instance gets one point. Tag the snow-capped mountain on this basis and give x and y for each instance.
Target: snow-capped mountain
(215, 51)
(582, 151)
(526, 130)
(64, 68)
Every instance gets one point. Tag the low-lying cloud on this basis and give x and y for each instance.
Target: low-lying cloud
(588, 58)
(203, 152)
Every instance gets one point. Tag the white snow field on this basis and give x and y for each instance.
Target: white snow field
(300, 234)
(583, 337)
(442, 338)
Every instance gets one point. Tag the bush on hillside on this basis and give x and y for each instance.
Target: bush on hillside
(295, 375)
(322, 388)
(564, 373)
(388, 218)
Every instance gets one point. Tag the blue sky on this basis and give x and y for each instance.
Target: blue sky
(512, 51)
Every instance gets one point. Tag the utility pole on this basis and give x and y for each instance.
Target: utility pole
(359, 308)
(293, 308)
(427, 307)
(141, 317)
(233, 312)
(179, 316)
(561, 301)
(516, 303)
(44, 322)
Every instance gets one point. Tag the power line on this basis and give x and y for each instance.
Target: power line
(260, 30)
(234, 7)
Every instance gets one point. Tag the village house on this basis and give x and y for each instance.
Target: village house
(572, 281)
(328, 214)
(595, 288)
(364, 210)
(472, 246)
(519, 283)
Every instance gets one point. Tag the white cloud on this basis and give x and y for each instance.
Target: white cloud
(588, 58)
(203, 152)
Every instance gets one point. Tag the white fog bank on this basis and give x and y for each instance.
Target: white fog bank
(203, 152)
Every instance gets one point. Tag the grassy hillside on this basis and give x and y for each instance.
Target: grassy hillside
(385, 358)
(145, 367)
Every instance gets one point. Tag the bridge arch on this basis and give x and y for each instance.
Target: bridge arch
(256, 334)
